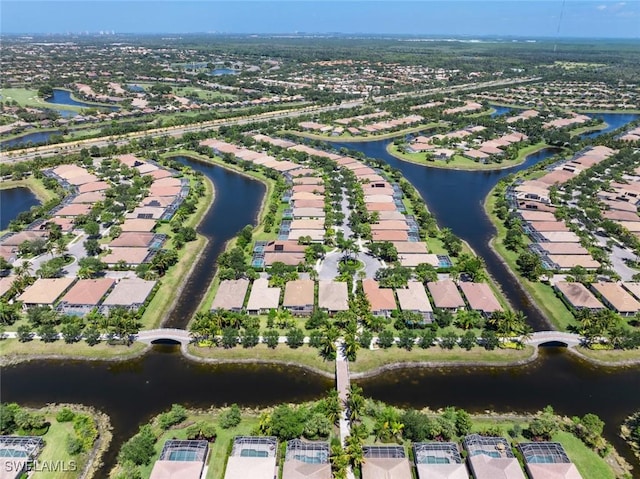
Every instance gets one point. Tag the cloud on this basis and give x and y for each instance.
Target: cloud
(601, 7)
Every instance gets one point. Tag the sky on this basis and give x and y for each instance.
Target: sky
(520, 18)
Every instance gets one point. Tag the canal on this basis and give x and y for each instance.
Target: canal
(456, 198)
(237, 204)
(133, 391)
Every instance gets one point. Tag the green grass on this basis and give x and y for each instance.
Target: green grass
(589, 464)
(367, 359)
(543, 295)
(29, 98)
(55, 450)
(12, 349)
(202, 94)
(35, 185)
(304, 355)
(218, 450)
(459, 162)
(610, 355)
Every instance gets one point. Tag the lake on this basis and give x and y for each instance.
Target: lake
(14, 201)
(35, 138)
(63, 97)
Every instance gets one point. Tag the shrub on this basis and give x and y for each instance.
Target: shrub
(65, 415)
(231, 417)
(140, 448)
(176, 415)
(73, 445)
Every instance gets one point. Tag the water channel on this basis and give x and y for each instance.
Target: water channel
(132, 391)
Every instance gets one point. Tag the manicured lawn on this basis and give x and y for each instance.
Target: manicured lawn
(368, 359)
(55, 451)
(12, 348)
(202, 94)
(54, 455)
(589, 464)
(304, 355)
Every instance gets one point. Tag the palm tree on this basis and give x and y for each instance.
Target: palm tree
(354, 450)
(348, 247)
(201, 327)
(350, 347)
(355, 403)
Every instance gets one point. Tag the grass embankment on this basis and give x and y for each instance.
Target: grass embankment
(35, 185)
(349, 138)
(543, 295)
(589, 464)
(459, 162)
(13, 350)
(303, 356)
(171, 283)
(610, 355)
(368, 360)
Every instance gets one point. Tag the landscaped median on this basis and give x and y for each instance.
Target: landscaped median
(459, 162)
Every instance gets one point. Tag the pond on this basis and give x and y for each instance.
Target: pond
(14, 201)
(63, 97)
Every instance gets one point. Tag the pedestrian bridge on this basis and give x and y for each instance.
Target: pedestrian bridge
(151, 336)
(543, 337)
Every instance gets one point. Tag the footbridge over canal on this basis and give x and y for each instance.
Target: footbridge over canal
(546, 337)
(151, 336)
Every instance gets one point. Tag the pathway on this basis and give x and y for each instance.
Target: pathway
(343, 385)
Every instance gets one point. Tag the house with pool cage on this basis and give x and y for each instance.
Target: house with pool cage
(17, 453)
(547, 460)
(252, 457)
(307, 460)
(181, 459)
(491, 458)
(439, 460)
(388, 462)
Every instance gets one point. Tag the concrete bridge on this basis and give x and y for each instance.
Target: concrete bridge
(150, 336)
(543, 337)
